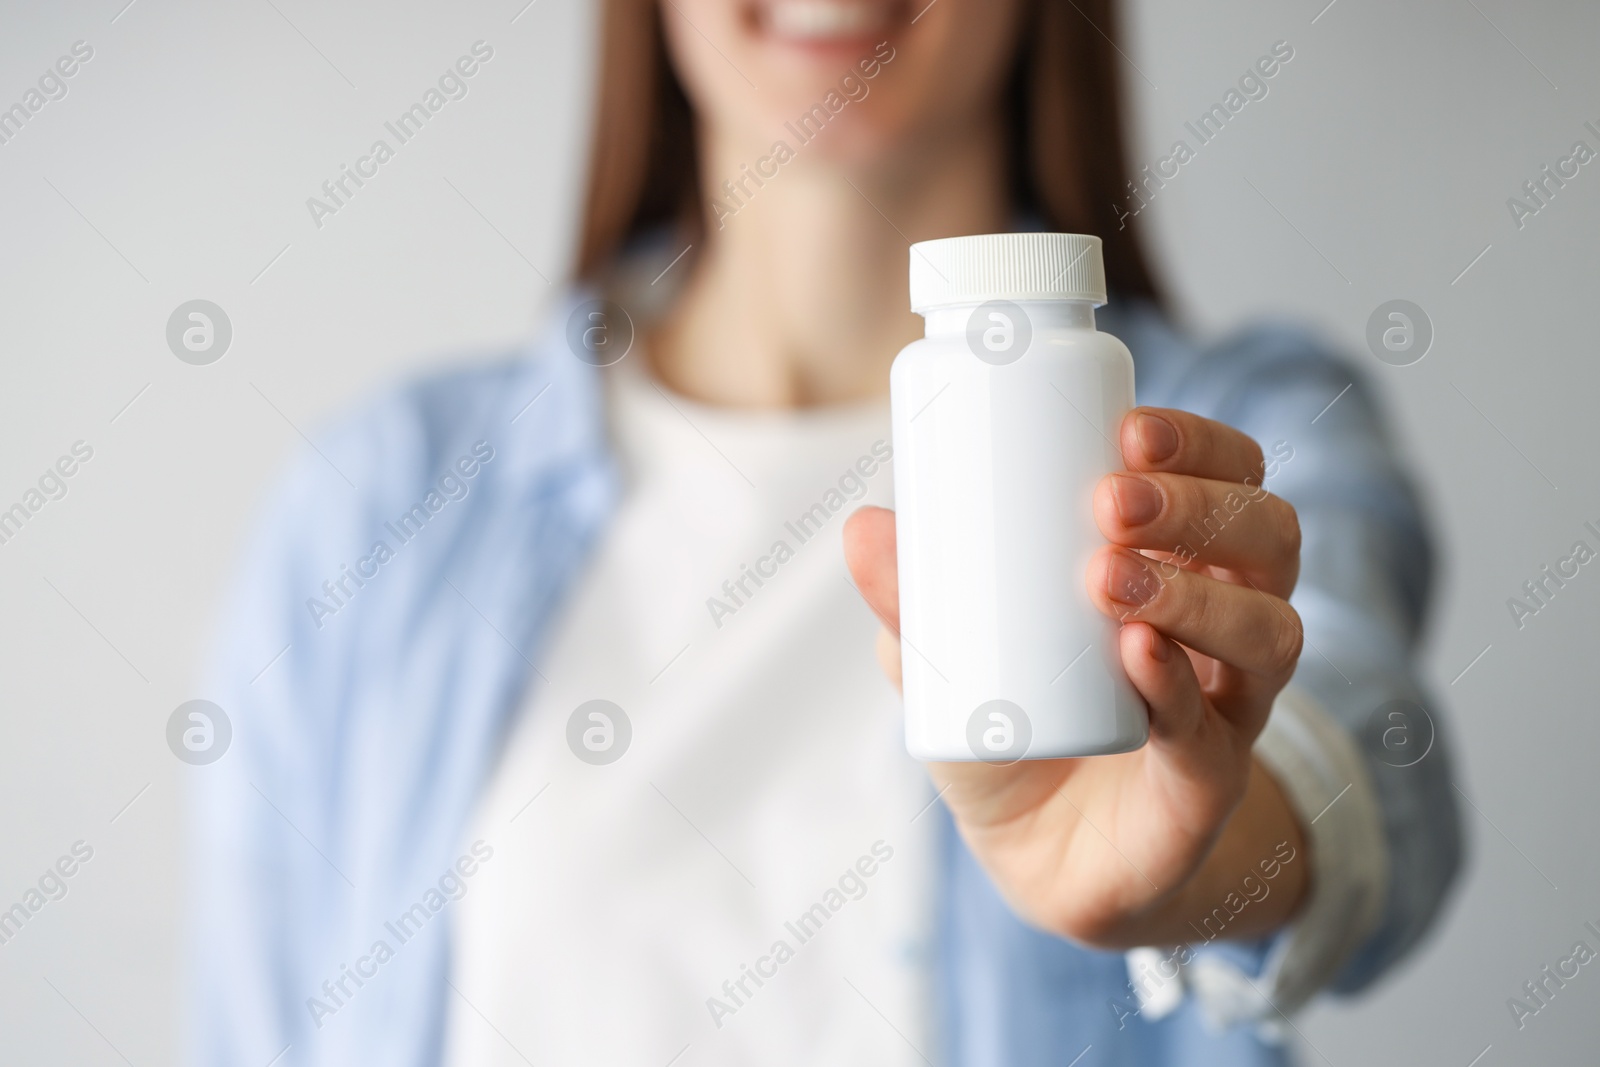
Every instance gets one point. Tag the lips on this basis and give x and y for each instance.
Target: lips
(826, 21)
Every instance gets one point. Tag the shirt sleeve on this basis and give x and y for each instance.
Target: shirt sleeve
(1356, 743)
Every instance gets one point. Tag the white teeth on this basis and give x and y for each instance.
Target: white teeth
(813, 20)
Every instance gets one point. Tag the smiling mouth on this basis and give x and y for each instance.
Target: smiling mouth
(827, 22)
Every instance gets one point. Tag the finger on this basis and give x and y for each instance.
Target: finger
(1165, 439)
(889, 655)
(1164, 677)
(1256, 632)
(869, 552)
(1197, 520)
(1197, 747)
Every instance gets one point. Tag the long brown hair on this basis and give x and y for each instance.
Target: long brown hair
(1064, 109)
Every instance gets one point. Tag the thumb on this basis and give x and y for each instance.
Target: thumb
(869, 550)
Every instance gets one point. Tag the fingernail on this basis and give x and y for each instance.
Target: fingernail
(1138, 501)
(1157, 437)
(1160, 647)
(1129, 580)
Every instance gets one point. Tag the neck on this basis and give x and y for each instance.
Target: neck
(798, 296)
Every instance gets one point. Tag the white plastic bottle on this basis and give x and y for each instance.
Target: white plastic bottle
(1006, 416)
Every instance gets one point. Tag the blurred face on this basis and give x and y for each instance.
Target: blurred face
(858, 69)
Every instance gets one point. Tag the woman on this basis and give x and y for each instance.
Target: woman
(537, 768)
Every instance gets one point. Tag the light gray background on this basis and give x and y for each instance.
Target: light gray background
(178, 166)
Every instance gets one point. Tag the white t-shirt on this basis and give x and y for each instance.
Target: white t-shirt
(751, 880)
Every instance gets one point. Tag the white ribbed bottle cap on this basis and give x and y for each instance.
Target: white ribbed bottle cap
(1006, 266)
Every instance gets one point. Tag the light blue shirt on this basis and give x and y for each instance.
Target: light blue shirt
(368, 698)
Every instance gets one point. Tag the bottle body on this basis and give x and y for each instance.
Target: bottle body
(997, 456)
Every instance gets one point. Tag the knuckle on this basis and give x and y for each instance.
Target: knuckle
(1194, 609)
(1288, 643)
(1196, 498)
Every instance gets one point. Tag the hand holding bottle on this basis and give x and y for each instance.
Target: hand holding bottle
(1127, 849)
